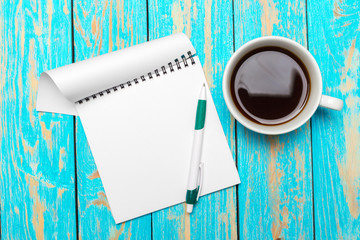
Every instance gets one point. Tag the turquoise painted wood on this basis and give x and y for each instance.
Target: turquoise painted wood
(334, 40)
(102, 27)
(275, 197)
(37, 149)
(301, 185)
(209, 26)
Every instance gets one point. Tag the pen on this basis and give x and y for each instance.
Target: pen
(196, 165)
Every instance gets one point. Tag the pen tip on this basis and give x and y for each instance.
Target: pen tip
(203, 84)
(189, 208)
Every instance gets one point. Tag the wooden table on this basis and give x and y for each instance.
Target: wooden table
(300, 185)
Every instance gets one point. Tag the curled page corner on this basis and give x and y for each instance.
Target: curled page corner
(51, 99)
(60, 88)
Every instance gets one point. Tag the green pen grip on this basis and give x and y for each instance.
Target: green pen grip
(200, 114)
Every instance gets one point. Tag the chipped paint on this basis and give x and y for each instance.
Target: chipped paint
(3, 68)
(129, 233)
(22, 31)
(187, 224)
(110, 27)
(352, 101)
(349, 166)
(348, 59)
(347, 86)
(94, 25)
(300, 162)
(120, 16)
(65, 8)
(224, 220)
(38, 27)
(78, 27)
(49, 11)
(61, 161)
(84, 12)
(170, 216)
(115, 233)
(60, 192)
(117, 42)
(49, 185)
(101, 201)
(94, 175)
(181, 16)
(27, 220)
(276, 229)
(101, 26)
(232, 137)
(269, 17)
(33, 81)
(122, 12)
(176, 15)
(337, 10)
(97, 29)
(178, 219)
(275, 175)
(233, 213)
(47, 133)
(38, 179)
(349, 72)
(16, 210)
(39, 207)
(195, 11)
(208, 46)
(131, 29)
(300, 177)
(182, 221)
(230, 219)
(249, 190)
(28, 148)
(29, 174)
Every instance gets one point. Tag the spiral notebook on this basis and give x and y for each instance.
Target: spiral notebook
(137, 107)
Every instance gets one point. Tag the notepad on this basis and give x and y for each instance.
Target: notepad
(137, 107)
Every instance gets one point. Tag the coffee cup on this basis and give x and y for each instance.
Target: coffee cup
(314, 99)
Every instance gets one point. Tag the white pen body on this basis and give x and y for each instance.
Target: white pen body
(195, 164)
(195, 159)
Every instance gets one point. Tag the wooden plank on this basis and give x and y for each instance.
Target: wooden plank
(209, 26)
(275, 196)
(334, 40)
(37, 156)
(102, 27)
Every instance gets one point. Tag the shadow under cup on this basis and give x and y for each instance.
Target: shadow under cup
(261, 113)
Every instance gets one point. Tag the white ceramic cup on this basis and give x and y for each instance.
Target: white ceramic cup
(315, 98)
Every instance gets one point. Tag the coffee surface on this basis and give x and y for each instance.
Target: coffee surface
(270, 85)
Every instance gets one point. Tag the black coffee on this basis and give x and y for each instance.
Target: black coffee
(270, 85)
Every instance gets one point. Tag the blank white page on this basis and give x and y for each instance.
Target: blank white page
(141, 139)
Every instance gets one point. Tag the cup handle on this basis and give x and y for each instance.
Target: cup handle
(331, 102)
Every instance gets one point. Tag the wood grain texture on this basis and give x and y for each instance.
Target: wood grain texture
(102, 27)
(37, 174)
(209, 26)
(275, 196)
(334, 40)
(37, 155)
